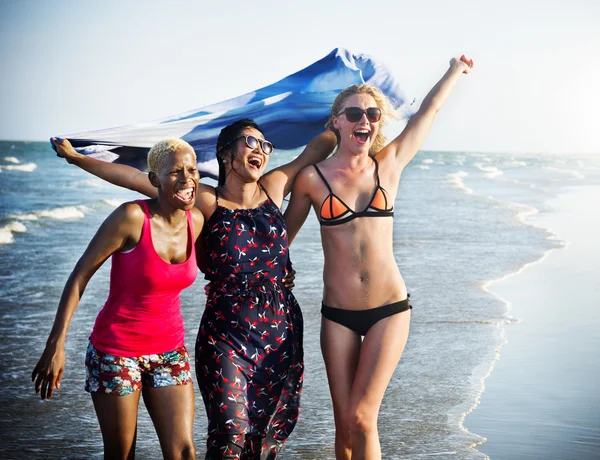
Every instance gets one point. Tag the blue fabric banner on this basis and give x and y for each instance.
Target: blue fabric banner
(290, 112)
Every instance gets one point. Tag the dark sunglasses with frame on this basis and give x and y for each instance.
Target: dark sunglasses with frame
(252, 142)
(354, 114)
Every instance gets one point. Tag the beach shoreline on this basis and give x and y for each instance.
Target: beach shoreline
(529, 407)
(445, 240)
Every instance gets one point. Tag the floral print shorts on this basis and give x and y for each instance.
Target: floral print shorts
(118, 375)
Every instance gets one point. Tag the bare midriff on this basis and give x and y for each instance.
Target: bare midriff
(360, 271)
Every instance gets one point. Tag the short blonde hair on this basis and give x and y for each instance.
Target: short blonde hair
(158, 154)
(382, 101)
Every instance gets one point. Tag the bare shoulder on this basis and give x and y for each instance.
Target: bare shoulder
(308, 175)
(197, 215)
(125, 222)
(323, 166)
(130, 212)
(198, 221)
(386, 156)
(275, 179)
(205, 191)
(389, 168)
(206, 199)
(308, 181)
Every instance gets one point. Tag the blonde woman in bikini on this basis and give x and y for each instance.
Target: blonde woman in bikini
(365, 311)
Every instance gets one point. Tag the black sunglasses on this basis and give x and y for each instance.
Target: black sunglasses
(354, 114)
(253, 142)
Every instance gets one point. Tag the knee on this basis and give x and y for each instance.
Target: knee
(188, 451)
(119, 454)
(361, 422)
(184, 451)
(342, 432)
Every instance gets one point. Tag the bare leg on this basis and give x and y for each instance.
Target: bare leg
(118, 422)
(380, 353)
(341, 348)
(172, 411)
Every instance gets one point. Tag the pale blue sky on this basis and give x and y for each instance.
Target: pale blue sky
(71, 66)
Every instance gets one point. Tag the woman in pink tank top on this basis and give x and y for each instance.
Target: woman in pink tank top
(138, 339)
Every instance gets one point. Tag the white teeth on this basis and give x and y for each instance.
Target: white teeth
(185, 194)
(256, 162)
(362, 135)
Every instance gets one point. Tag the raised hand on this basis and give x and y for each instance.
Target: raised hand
(463, 63)
(65, 150)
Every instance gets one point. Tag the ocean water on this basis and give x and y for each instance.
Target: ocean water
(461, 221)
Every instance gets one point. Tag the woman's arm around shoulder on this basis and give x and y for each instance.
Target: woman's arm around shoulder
(300, 202)
(121, 175)
(206, 200)
(206, 204)
(398, 153)
(279, 182)
(121, 230)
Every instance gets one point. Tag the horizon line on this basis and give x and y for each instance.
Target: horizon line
(469, 151)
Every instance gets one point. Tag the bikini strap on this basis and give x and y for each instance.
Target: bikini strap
(265, 190)
(324, 180)
(376, 171)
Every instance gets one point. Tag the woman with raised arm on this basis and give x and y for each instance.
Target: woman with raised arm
(137, 344)
(353, 194)
(249, 360)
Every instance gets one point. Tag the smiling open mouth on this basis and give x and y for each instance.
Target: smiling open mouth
(186, 195)
(255, 162)
(361, 135)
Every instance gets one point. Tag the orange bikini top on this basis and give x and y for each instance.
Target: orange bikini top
(335, 212)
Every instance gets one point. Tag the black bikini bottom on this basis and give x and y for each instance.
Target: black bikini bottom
(360, 321)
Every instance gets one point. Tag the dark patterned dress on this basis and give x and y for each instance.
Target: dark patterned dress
(249, 356)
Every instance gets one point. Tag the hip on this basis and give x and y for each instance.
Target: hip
(135, 338)
(362, 291)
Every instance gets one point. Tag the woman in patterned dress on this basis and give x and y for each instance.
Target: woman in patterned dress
(249, 350)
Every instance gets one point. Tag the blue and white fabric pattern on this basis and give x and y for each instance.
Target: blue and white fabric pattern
(290, 112)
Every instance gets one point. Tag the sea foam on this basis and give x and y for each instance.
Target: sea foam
(491, 171)
(26, 167)
(6, 232)
(456, 179)
(63, 213)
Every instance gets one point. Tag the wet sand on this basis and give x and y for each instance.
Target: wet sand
(542, 400)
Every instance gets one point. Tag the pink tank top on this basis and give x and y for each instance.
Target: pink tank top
(142, 315)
